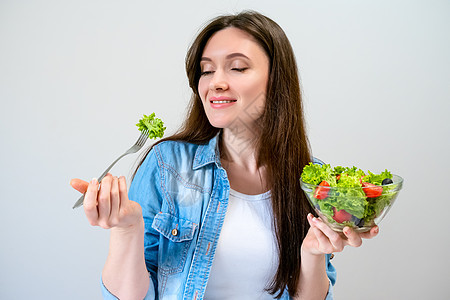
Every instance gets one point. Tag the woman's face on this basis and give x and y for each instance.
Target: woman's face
(235, 71)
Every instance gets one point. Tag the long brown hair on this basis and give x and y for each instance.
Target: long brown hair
(282, 146)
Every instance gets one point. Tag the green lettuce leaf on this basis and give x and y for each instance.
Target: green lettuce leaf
(154, 126)
(315, 174)
(377, 179)
(349, 181)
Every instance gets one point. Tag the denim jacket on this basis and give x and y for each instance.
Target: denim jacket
(183, 191)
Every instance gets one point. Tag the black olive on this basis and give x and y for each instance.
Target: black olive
(360, 223)
(386, 181)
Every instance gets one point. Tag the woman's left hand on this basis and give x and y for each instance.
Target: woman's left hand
(321, 239)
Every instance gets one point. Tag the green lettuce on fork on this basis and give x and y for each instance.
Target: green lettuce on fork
(154, 126)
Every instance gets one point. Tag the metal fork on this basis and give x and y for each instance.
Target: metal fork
(135, 148)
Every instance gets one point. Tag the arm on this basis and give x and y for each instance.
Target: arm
(126, 257)
(314, 281)
(124, 274)
(133, 244)
(320, 240)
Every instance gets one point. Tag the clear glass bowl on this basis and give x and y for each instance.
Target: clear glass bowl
(350, 206)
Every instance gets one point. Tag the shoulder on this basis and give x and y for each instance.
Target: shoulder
(165, 160)
(317, 161)
(176, 146)
(183, 156)
(174, 152)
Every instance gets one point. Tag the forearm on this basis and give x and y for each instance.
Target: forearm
(125, 274)
(313, 283)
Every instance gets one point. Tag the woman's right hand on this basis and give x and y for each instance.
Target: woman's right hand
(125, 274)
(109, 206)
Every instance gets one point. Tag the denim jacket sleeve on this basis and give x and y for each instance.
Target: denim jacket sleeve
(331, 272)
(145, 190)
(107, 295)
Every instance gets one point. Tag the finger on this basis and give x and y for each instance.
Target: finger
(323, 243)
(310, 217)
(104, 198)
(373, 232)
(90, 202)
(79, 185)
(335, 238)
(123, 192)
(353, 238)
(115, 201)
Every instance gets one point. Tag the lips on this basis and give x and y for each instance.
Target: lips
(221, 102)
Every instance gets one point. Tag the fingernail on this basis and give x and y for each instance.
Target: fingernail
(377, 229)
(94, 181)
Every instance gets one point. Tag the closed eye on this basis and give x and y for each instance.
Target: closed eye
(239, 69)
(206, 73)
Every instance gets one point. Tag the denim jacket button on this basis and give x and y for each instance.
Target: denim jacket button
(174, 232)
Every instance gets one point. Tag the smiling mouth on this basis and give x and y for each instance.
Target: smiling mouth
(222, 101)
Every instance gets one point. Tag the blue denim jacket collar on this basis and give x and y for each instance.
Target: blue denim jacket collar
(207, 154)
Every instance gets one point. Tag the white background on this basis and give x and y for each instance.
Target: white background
(75, 77)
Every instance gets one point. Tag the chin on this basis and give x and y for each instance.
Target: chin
(220, 122)
(220, 125)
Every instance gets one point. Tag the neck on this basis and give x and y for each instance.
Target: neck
(239, 159)
(238, 146)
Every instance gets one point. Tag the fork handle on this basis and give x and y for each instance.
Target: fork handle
(81, 199)
(109, 168)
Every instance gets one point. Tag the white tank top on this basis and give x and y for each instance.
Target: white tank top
(246, 256)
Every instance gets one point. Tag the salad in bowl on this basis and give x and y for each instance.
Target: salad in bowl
(344, 196)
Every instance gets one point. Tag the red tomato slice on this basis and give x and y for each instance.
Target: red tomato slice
(341, 216)
(322, 190)
(372, 190)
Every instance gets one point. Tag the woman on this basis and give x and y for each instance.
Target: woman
(216, 211)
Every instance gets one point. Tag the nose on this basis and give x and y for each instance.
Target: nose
(218, 81)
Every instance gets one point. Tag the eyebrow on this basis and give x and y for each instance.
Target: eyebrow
(232, 55)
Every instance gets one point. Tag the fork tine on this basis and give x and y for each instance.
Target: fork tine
(138, 142)
(139, 138)
(143, 138)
